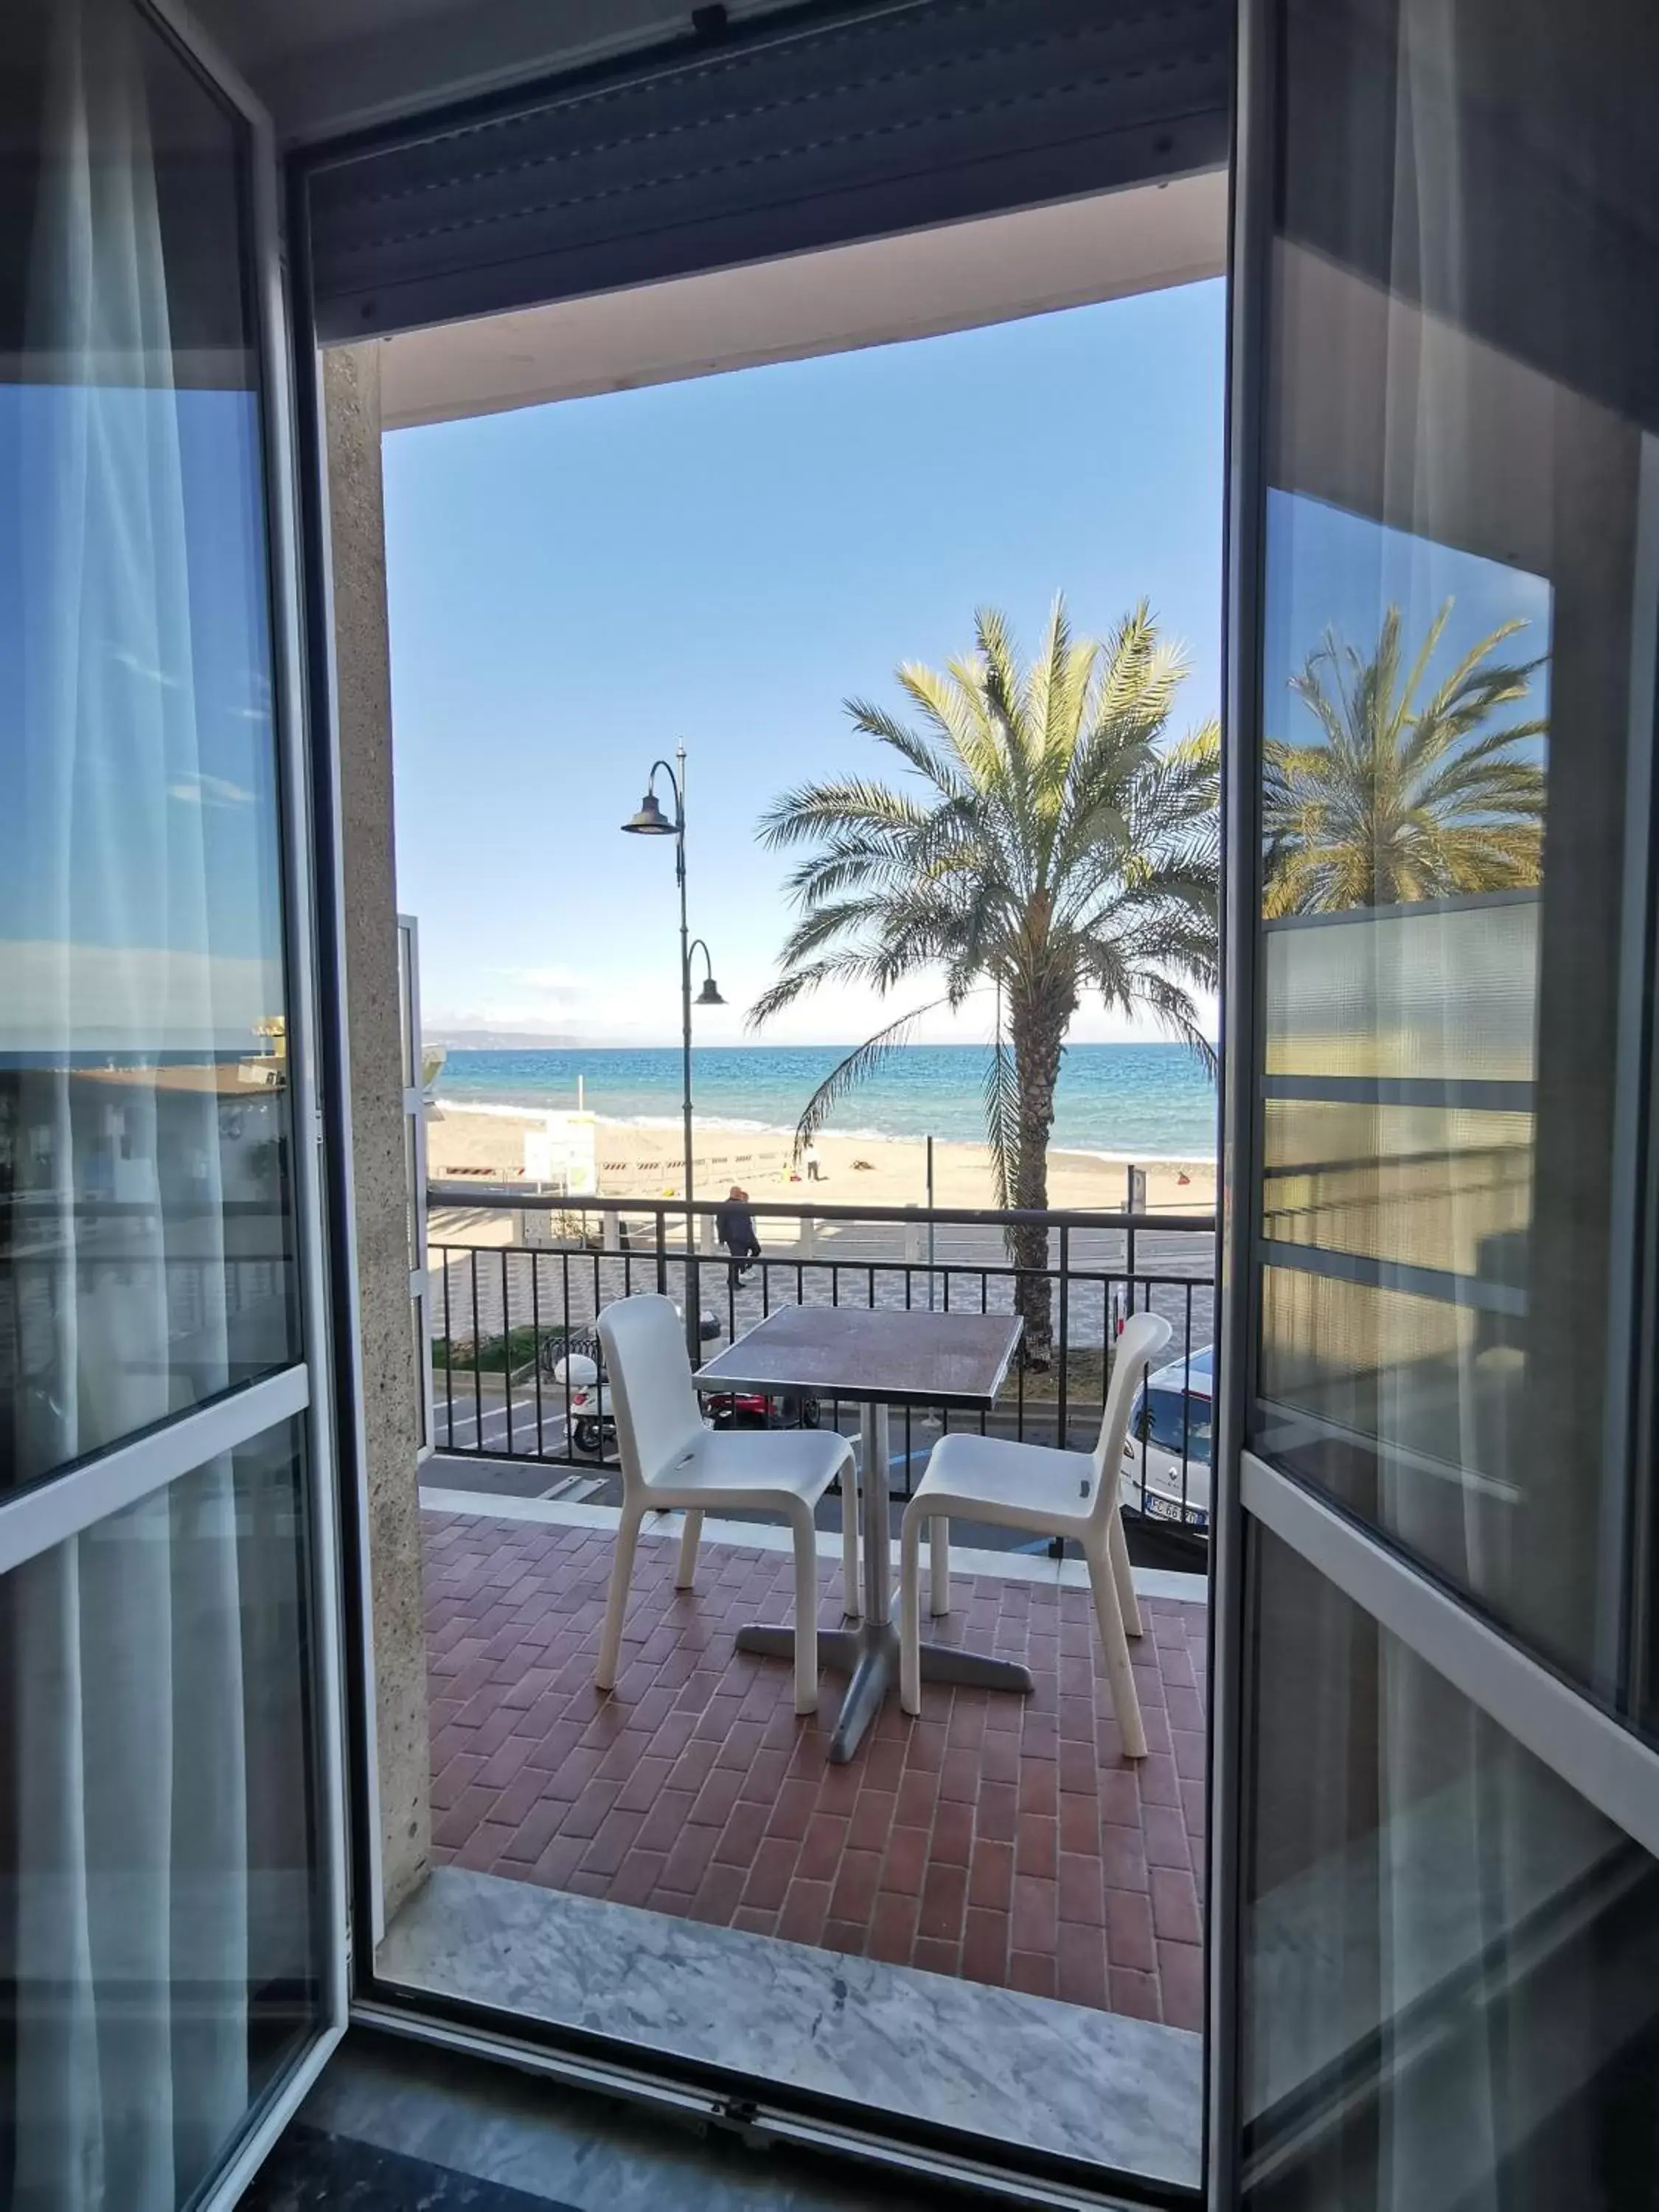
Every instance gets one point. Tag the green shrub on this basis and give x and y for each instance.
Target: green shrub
(496, 1355)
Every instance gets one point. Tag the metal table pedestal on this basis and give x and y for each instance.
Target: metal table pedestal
(870, 1652)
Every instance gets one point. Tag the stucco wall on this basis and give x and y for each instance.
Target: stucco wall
(351, 399)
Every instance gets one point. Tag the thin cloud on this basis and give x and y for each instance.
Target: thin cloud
(144, 669)
(212, 791)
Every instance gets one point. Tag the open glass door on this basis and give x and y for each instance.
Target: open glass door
(1437, 1879)
(172, 1966)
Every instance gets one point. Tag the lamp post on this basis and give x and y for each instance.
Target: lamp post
(650, 821)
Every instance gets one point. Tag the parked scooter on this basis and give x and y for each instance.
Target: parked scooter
(592, 1425)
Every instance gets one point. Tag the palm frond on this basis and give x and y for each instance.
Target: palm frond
(814, 809)
(826, 921)
(1399, 707)
(1173, 1009)
(861, 1062)
(1053, 833)
(1401, 801)
(785, 992)
(850, 862)
(1001, 1101)
(909, 744)
(1139, 675)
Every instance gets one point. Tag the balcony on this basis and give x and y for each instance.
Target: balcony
(992, 1875)
(515, 1281)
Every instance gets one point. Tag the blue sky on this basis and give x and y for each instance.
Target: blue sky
(573, 588)
(139, 883)
(1329, 569)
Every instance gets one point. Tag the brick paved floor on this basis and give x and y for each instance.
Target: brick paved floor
(997, 1838)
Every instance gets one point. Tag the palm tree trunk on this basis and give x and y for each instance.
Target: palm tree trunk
(1037, 1022)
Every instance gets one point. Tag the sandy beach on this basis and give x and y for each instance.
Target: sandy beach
(645, 1162)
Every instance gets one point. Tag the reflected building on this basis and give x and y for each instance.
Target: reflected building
(1397, 1202)
(146, 1204)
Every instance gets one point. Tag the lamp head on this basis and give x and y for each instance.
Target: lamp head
(709, 995)
(650, 821)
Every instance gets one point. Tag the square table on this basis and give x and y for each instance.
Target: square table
(957, 1362)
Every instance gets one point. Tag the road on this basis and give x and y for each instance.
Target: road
(469, 1466)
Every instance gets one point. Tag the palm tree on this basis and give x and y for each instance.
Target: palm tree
(1050, 842)
(1403, 802)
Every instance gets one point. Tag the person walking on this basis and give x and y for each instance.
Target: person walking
(735, 1226)
(810, 1159)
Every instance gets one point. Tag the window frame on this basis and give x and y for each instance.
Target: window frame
(1596, 1752)
(65, 1503)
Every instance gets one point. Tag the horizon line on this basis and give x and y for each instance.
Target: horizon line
(553, 1043)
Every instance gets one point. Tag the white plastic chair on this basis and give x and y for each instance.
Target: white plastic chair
(1052, 1493)
(669, 1458)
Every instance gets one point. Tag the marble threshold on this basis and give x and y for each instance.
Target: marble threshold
(998, 2064)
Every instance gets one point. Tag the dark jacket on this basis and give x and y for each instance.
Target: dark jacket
(734, 1224)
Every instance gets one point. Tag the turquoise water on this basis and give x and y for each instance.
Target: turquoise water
(1142, 1102)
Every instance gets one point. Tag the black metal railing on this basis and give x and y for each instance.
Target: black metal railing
(512, 1320)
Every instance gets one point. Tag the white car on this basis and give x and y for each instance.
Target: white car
(1166, 1454)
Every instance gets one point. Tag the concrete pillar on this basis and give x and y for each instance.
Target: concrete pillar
(385, 1367)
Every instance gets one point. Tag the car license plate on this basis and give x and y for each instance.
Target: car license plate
(1170, 1509)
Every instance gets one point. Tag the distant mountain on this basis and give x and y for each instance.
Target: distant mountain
(503, 1040)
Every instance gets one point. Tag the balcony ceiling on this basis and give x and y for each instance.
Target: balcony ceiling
(845, 297)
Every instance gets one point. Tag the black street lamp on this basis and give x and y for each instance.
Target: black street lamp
(650, 821)
(710, 994)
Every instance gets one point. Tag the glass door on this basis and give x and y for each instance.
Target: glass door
(1437, 1866)
(171, 1965)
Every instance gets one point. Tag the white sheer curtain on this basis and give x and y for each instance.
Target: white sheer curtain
(132, 1908)
(1392, 2043)
(1461, 1826)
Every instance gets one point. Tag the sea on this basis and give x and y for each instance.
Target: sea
(1119, 1102)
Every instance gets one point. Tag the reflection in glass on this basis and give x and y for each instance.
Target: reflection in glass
(1460, 417)
(1447, 752)
(1177, 1421)
(1451, 1963)
(146, 1248)
(1444, 991)
(1404, 813)
(160, 1943)
(1417, 784)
